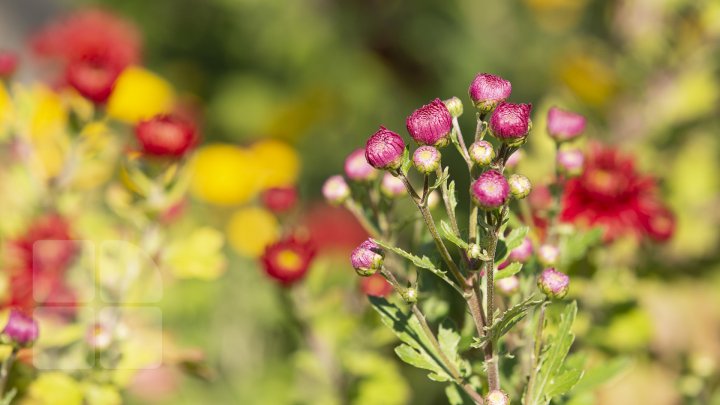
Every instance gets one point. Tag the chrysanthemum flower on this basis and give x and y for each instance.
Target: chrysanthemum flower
(487, 90)
(430, 124)
(166, 136)
(384, 149)
(287, 260)
(21, 329)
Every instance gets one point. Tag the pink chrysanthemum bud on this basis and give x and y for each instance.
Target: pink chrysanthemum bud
(392, 187)
(523, 252)
(553, 283)
(481, 153)
(430, 124)
(548, 255)
(514, 159)
(166, 136)
(357, 168)
(511, 122)
(564, 125)
(490, 190)
(497, 397)
(21, 329)
(570, 162)
(508, 285)
(8, 64)
(426, 159)
(367, 258)
(335, 190)
(520, 186)
(455, 106)
(384, 150)
(487, 90)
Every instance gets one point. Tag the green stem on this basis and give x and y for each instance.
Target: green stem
(490, 349)
(369, 227)
(5, 369)
(446, 201)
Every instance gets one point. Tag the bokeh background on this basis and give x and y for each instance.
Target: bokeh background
(300, 84)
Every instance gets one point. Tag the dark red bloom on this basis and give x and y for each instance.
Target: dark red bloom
(8, 63)
(94, 79)
(612, 194)
(375, 285)
(166, 136)
(280, 199)
(287, 260)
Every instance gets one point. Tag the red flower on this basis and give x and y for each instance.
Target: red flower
(611, 193)
(333, 229)
(287, 260)
(375, 285)
(94, 79)
(280, 199)
(8, 63)
(166, 136)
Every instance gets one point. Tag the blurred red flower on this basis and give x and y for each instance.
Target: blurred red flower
(333, 228)
(280, 199)
(375, 285)
(612, 194)
(287, 260)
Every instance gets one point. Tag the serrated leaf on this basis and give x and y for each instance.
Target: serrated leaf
(447, 233)
(440, 180)
(449, 341)
(406, 162)
(452, 198)
(563, 383)
(507, 320)
(415, 358)
(512, 269)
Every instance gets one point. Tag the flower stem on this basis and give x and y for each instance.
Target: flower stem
(369, 227)
(491, 350)
(5, 369)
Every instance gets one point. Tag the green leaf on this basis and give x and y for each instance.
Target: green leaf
(449, 341)
(7, 399)
(406, 161)
(563, 383)
(453, 394)
(601, 374)
(440, 180)
(512, 269)
(415, 358)
(510, 242)
(447, 233)
(507, 320)
(452, 199)
(575, 247)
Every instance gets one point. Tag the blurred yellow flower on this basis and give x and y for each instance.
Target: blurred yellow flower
(279, 161)
(5, 108)
(197, 255)
(592, 80)
(54, 388)
(251, 229)
(225, 174)
(140, 94)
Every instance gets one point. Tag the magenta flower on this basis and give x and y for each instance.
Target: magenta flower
(384, 150)
(487, 90)
(335, 190)
(392, 186)
(511, 122)
(553, 283)
(523, 252)
(490, 190)
(357, 168)
(564, 125)
(426, 159)
(367, 258)
(21, 329)
(519, 186)
(570, 162)
(482, 153)
(430, 124)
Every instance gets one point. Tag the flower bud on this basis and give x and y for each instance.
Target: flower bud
(280, 199)
(367, 258)
(384, 150)
(553, 283)
(523, 252)
(21, 329)
(430, 124)
(8, 64)
(357, 168)
(487, 90)
(475, 251)
(433, 200)
(426, 159)
(564, 125)
(335, 190)
(392, 187)
(455, 106)
(166, 136)
(570, 162)
(497, 397)
(548, 255)
(409, 295)
(508, 285)
(511, 123)
(514, 159)
(481, 153)
(519, 186)
(490, 190)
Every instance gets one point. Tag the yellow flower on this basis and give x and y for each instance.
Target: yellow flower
(592, 80)
(54, 388)
(140, 94)
(225, 174)
(251, 229)
(5, 108)
(280, 163)
(197, 255)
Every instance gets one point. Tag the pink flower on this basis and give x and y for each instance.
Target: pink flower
(570, 162)
(426, 159)
(487, 90)
(392, 186)
(490, 190)
(508, 285)
(357, 168)
(564, 125)
(523, 252)
(367, 258)
(548, 254)
(335, 190)
(384, 149)
(166, 136)
(21, 329)
(511, 122)
(280, 199)
(553, 283)
(430, 124)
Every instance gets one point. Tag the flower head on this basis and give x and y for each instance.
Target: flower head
(287, 260)
(523, 252)
(166, 136)
(570, 162)
(8, 63)
(375, 286)
(519, 186)
(508, 285)
(426, 159)
(94, 79)
(564, 125)
(487, 90)
(548, 254)
(612, 194)
(430, 124)
(357, 168)
(481, 153)
(511, 122)
(384, 149)
(21, 329)
(392, 187)
(490, 190)
(335, 190)
(367, 258)
(280, 199)
(553, 283)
